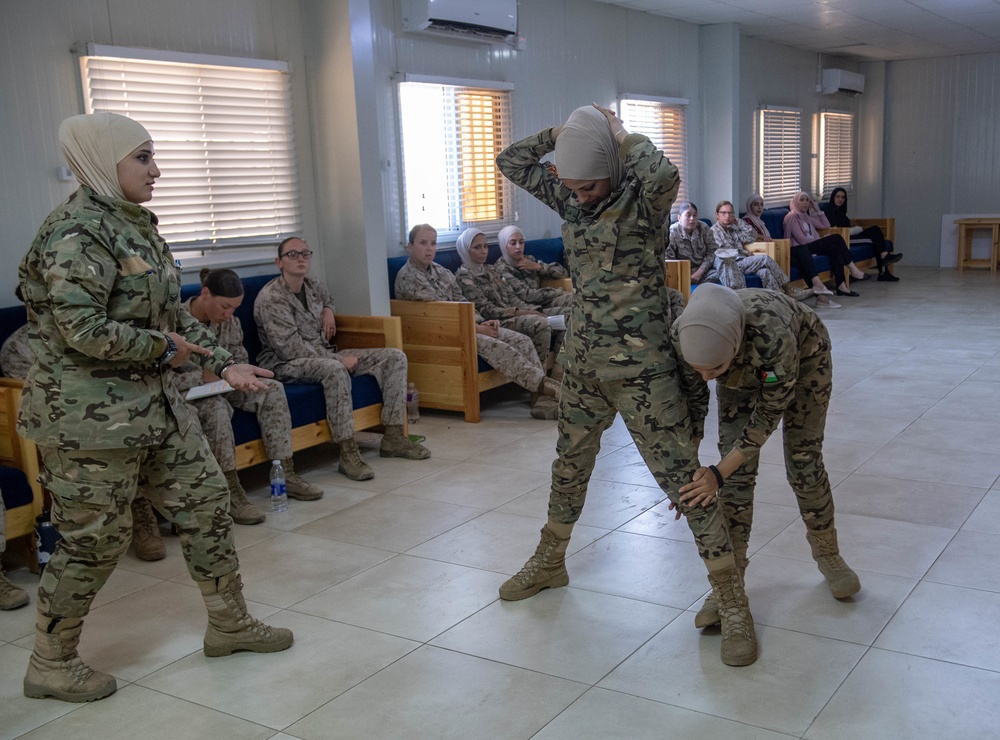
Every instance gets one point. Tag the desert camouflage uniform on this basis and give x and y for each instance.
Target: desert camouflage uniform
(293, 346)
(527, 285)
(733, 272)
(698, 248)
(618, 356)
(16, 357)
(784, 372)
(509, 353)
(216, 412)
(102, 288)
(495, 300)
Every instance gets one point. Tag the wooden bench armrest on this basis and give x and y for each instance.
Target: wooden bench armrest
(678, 273)
(888, 225)
(845, 233)
(364, 332)
(564, 283)
(15, 451)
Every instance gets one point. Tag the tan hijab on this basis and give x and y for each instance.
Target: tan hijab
(95, 143)
(587, 150)
(711, 327)
(754, 221)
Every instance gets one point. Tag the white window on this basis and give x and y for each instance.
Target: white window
(451, 136)
(222, 128)
(663, 121)
(836, 152)
(779, 160)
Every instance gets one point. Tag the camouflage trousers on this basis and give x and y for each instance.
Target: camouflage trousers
(514, 355)
(656, 413)
(3, 526)
(91, 495)
(732, 273)
(804, 423)
(536, 328)
(387, 365)
(271, 409)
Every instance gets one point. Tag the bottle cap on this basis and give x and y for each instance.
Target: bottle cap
(276, 462)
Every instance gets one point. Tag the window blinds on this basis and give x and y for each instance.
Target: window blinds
(664, 124)
(836, 158)
(780, 162)
(224, 144)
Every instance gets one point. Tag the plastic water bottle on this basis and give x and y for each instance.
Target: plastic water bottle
(279, 497)
(46, 537)
(412, 404)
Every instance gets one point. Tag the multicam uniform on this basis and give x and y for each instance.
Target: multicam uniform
(294, 348)
(102, 289)
(698, 248)
(527, 285)
(16, 357)
(215, 412)
(509, 352)
(783, 372)
(494, 299)
(732, 272)
(618, 357)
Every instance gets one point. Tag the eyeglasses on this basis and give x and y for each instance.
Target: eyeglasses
(727, 213)
(294, 254)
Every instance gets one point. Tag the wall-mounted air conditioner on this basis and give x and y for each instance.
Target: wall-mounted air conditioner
(842, 81)
(489, 21)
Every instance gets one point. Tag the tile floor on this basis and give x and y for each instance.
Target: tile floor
(390, 585)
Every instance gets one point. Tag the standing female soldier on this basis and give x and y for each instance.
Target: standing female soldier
(103, 297)
(770, 357)
(614, 192)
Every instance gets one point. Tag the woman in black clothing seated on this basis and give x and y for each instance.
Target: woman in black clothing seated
(836, 214)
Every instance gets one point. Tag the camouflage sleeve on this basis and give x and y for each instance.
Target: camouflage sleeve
(186, 377)
(658, 175)
(694, 388)
(553, 271)
(774, 396)
(708, 242)
(473, 293)
(521, 164)
(197, 333)
(410, 286)
(671, 251)
(675, 302)
(324, 295)
(282, 331)
(16, 355)
(234, 341)
(746, 235)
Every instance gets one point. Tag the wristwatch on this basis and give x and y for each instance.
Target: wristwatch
(169, 352)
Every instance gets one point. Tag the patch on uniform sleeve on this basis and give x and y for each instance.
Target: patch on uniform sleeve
(134, 265)
(768, 376)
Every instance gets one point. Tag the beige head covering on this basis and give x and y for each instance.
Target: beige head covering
(711, 327)
(755, 221)
(587, 150)
(95, 143)
(505, 234)
(462, 247)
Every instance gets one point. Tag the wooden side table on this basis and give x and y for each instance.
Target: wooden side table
(965, 228)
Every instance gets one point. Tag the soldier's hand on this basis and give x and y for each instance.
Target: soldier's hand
(529, 264)
(350, 362)
(488, 328)
(329, 324)
(246, 377)
(617, 127)
(701, 490)
(184, 350)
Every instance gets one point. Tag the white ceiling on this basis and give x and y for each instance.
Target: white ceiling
(862, 29)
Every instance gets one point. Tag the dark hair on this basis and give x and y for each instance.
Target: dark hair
(222, 283)
(688, 205)
(18, 293)
(417, 229)
(833, 194)
(285, 241)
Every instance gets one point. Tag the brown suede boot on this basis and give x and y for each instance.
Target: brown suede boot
(240, 508)
(843, 581)
(708, 615)
(397, 444)
(545, 569)
(230, 627)
(298, 487)
(11, 597)
(55, 668)
(146, 539)
(739, 640)
(351, 463)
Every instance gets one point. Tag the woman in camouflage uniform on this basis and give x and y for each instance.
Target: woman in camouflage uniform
(103, 297)
(524, 274)
(770, 358)
(613, 192)
(692, 240)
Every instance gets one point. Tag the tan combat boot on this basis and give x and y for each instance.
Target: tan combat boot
(230, 627)
(11, 597)
(55, 668)
(843, 581)
(545, 569)
(739, 640)
(240, 508)
(708, 615)
(351, 463)
(298, 487)
(146, 539)
(397, 444)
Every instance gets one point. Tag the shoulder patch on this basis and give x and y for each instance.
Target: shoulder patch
(768, 376)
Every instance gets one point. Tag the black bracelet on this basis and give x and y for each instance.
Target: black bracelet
(717, 474)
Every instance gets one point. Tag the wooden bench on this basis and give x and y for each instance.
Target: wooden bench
(20, 453)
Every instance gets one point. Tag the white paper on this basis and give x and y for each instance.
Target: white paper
(209, 389)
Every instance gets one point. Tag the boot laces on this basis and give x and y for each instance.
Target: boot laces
(239, 608)
(144, 520)
(830, 554)
(733, 608)
(537, 561)
(79, 671)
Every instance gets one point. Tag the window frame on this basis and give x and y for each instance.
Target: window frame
(784, 132)
(835, 121)
(673, 142)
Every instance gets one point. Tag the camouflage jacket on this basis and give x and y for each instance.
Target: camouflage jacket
(101, 288)
(16, 356)
(698, 247)
(527, 285)
(288, 331)
(488, 289)
(785, 345)
(436, 283)
(619, 327)
(228, 335)
(733, 237)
